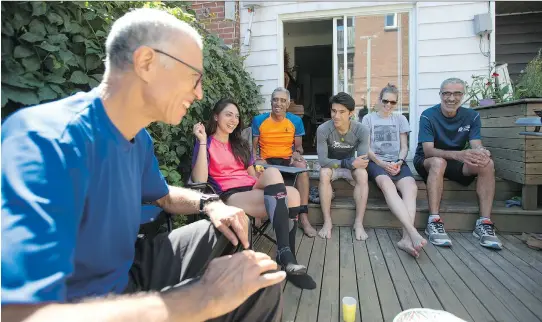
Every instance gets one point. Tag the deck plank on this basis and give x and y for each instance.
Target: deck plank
(329, 307)
(404, 290)
(389, 302)
(369, 303)
(528, 283)
(507, 298)
(481, 290)
(308, 304)
(501, 274)
(530, 271)
(528, 255)
(348, 285)
(475, 308)
(292, 294)
(426, 295)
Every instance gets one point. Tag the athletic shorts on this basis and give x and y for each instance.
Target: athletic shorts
(224, 196)
(454, 171)
(374, 170)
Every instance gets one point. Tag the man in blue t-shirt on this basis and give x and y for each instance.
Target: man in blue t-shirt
(450, 145)
(79, 177)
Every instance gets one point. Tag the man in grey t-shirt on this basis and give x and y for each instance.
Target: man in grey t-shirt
(342, 146)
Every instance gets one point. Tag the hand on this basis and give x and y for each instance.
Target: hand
(199, 132)
(361, 162)
(389, 167)
(474, 157)
(229, 280)
(259, 169)
(260, 161)
(225, 218)
(395, 167)
(296, 157)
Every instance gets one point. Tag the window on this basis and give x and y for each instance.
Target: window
(390, 21)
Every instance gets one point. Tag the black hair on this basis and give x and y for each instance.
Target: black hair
(362, 112)
(239, 146)
(343, 99)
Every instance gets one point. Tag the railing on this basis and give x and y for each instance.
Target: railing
(351, 37)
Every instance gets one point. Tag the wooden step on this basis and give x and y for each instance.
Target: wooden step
(457, 215)
(504, 190)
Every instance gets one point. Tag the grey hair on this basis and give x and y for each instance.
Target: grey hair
(280, 90)
(452, 80)
(390, 88)
(143, 27)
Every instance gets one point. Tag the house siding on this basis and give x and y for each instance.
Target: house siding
(446, 45)
(518, 39)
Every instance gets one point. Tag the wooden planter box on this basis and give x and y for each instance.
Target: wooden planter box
(517, 158)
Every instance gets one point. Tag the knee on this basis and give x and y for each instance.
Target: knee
(437, 166)
(293, 196)
(325, 175)
(273, 175)
(489, 168)
(409, 187)
(361, 177)
(299, 164)
(385, 184)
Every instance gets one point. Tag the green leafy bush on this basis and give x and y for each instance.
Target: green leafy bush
(529, 84)
(53, 49)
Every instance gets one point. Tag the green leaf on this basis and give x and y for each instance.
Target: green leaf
(65, 55)
(37, 27)
(72, 28)
(78, 77)
(31, 80)
(92, 62)
(7, 46)
(97, 77)
(180, 150)
(31, 63)
(38, 8)
(48, 47)
(55, 18)
(20, 95)
(51, 29)
(52, 78)
(57, 89)
(20, 19)
(4, 98)
(7, 29)
(52, 63)
(13, 67)
(22, 51)
(92, 82)
(31, 37)
(57, 39)
(101, 33)
(46, 93)
(78, 38)
(89, 15)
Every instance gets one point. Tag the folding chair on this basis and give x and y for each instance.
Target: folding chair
(161, 222)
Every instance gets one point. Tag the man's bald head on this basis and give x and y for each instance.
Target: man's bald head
(144, 27)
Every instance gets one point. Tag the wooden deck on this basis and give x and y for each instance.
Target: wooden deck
(472, 282)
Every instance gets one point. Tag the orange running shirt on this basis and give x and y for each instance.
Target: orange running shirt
(276, 139)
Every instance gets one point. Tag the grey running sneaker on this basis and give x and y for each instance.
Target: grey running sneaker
(485, 232)
(436, 233)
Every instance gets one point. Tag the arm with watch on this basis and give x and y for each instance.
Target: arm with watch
(231, 221)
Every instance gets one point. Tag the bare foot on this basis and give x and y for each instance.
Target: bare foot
(417, 241)
(360, 232)
(306, 226)
(406, 245)
(325, 232)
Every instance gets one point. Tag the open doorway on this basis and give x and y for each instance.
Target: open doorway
(309, 64)
(355, 54)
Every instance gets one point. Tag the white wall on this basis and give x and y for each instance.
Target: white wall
(446, 45)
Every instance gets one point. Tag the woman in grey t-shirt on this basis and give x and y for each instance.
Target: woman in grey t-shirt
(388, 168)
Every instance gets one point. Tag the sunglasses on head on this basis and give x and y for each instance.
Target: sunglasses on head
(388, 101)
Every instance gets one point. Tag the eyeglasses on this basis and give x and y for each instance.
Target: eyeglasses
(455, 94)
(200, 72)
(388, 101)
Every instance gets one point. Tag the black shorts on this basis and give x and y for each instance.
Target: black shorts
(227, 194)
(374, 170)
(278, 161)
(454, 171)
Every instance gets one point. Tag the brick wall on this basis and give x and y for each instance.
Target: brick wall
(384, 58)
(213, 15)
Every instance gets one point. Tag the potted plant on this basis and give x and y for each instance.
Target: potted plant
(517, 157)
(486, 91)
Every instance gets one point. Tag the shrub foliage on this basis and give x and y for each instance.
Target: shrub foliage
(51, 50)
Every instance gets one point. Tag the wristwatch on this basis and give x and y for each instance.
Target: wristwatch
(206, 199)
(404, 161)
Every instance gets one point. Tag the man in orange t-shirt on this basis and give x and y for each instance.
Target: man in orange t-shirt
(277, 140)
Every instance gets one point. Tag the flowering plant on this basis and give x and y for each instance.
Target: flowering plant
(486, 90)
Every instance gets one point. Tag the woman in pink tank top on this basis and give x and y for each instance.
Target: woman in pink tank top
(223, 158)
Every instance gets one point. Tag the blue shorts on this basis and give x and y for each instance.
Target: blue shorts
(374, 170)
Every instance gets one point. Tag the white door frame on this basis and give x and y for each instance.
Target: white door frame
(410, 8)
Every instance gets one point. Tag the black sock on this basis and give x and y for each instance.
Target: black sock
(276, 205)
